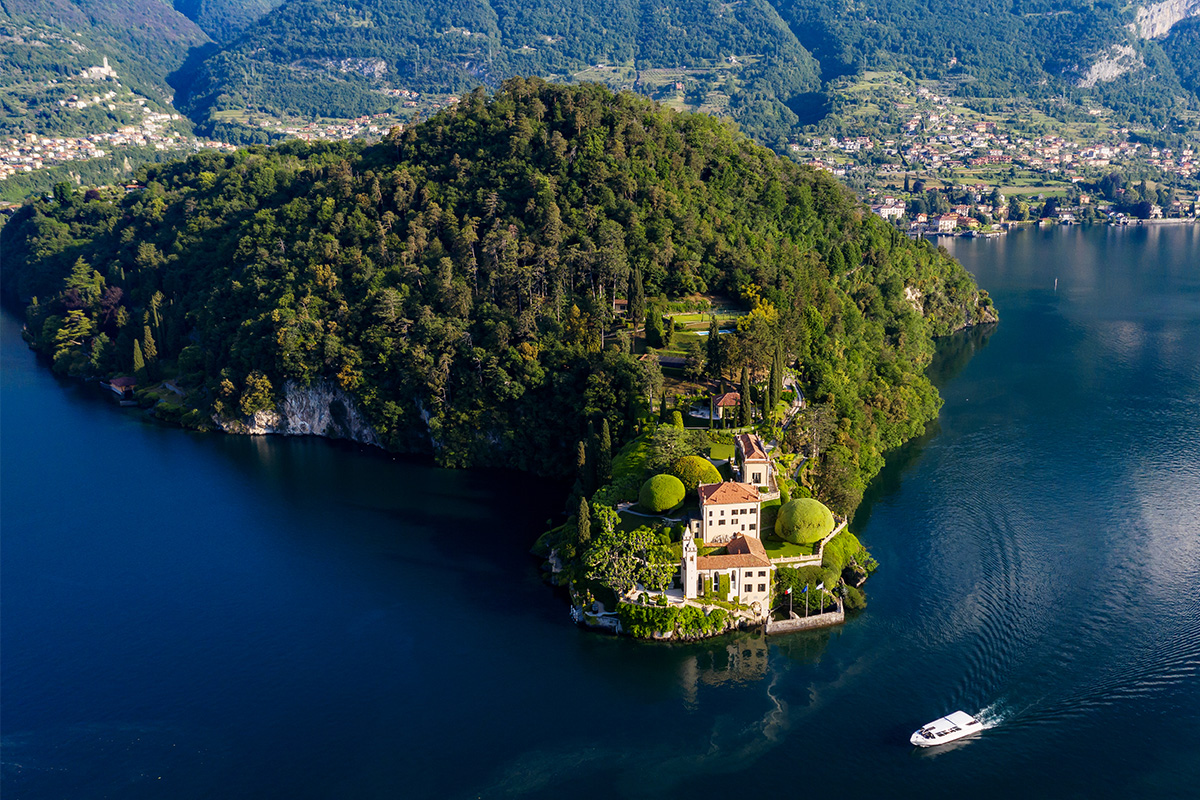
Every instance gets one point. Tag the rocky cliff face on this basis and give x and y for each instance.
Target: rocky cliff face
(1156, 20)
(322, 409)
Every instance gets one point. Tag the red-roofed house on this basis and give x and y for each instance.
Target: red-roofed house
(727, 400)
(727, 509)
(122, 387)
(752, 460)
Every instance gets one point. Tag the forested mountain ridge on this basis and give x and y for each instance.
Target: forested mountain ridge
(317, 57)
(457, 278)
(314, 58)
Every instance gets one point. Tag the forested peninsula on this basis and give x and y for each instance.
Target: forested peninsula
(489, 287)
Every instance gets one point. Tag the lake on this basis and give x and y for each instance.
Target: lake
(190, 615)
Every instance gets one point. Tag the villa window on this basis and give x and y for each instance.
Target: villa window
(722, 522)
(762, 573)
(722, 512)
(752, 526)
(762, 587)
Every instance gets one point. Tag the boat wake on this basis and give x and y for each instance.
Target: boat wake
(992, 715)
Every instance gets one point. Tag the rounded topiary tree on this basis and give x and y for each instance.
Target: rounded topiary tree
(804, 521)
(694, 470)
(661, 493)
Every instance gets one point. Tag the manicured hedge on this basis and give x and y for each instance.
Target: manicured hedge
(804, 521)
(661, 493)
(694, 470)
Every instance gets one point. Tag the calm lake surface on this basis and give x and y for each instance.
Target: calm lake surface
(189, 616)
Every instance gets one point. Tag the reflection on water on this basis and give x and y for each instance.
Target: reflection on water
(738, 659)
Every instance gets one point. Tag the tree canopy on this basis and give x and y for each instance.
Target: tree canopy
(456, 280)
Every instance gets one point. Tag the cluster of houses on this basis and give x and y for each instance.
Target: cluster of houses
(936, 135)
(30, 152)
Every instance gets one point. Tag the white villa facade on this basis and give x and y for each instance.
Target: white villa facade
(727, 509)
(730, 514)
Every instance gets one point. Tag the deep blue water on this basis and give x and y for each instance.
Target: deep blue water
(189, 615)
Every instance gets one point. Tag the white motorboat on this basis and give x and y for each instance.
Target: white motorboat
(947, 729)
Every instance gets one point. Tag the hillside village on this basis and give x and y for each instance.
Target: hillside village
(886, 130)
(121, 123)
(922, 133)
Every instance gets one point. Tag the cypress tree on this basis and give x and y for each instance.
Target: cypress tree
(139, 363)
(149, 349)
(637, 300)
(777, 371)
(583, 525)
(714, 348)
(583, 469)
(772, 399)
(604, 454)
(745, 405)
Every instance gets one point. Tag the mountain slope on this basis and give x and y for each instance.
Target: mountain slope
(144, 41)
(223, 20)
(319, 57)
(312, 57)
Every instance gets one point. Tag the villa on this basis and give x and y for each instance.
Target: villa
(729, 400)
(744, 571)
(730, 514)
(727, 509)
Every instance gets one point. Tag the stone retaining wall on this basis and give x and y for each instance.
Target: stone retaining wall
(806, 623)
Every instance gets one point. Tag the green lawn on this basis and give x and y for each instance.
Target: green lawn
(777, 548)
(721, 452)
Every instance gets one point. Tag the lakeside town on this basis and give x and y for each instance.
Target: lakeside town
(931, 164)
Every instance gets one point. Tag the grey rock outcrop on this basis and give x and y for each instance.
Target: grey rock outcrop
(1156, 20)
(322, 409)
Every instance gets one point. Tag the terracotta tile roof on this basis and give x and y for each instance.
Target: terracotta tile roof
(727, 492)
(746, 545)
(728, 399)
(751, 446)
(743, 551)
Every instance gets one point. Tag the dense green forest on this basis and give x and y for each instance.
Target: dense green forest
(223, 20)
(457, 279)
